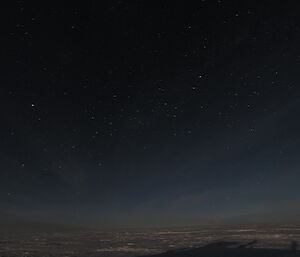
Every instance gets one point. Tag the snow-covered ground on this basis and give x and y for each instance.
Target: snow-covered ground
(136, 242)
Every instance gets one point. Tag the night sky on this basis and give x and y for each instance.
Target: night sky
(133, 113)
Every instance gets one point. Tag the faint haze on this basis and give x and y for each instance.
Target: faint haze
(149, 113)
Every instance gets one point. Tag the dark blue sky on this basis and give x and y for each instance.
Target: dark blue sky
(150, 113)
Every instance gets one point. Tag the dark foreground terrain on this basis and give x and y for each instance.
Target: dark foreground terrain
(231, 249)
(205, 242)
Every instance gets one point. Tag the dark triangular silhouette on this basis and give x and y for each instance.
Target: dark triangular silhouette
(232, 249)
